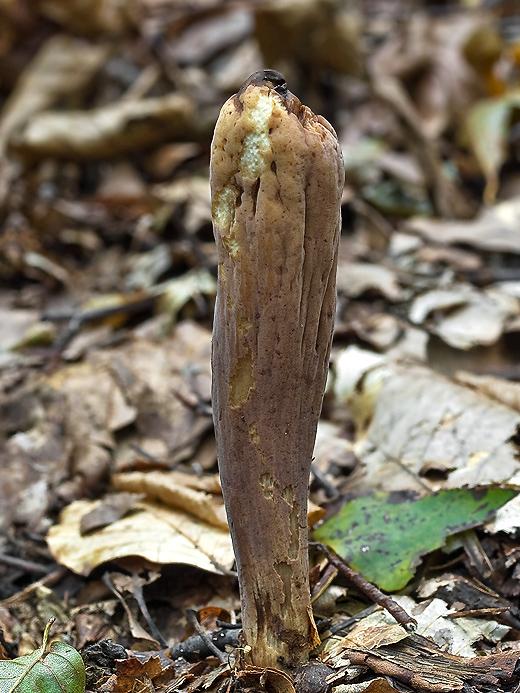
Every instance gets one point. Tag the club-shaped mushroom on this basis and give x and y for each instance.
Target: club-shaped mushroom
(276, 180)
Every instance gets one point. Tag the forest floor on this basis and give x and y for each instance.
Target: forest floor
(111, 515)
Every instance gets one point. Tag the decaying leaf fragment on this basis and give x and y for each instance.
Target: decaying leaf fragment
(439, 657)
(277, 180)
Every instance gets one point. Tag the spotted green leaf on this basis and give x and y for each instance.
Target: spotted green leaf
(384, 536)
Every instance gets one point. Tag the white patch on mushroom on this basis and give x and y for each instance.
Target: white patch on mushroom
(257, 143)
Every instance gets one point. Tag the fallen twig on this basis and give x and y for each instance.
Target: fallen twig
(196, 647)
(367, 588)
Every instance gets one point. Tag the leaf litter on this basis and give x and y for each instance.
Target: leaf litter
(107, 269)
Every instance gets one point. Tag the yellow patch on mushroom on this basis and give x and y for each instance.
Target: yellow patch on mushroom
(288, 496)
(223, 208)
(244, 325)
(267, 484)
(254, 436)
(285, 573)
(231, 243)
(241, 381)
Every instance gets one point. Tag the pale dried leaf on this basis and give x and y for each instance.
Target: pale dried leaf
(175, 293)
(411, 420)
(194, 195)
(14, 324)
(379, 685)
(375, 632)
(495, 229)
(470, 317)
(355, 278)
(487, 127)
(499, 389)
(455, 636)
(507, 518)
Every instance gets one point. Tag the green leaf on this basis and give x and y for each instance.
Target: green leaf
(57, 669)
(384, 536)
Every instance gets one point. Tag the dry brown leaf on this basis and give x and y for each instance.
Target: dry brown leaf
(256, 678)
(423, 78)
(108, 131)
(113, 507)
(95, 392)
(151, 375)
(210, 35)
(32, 463)
(132, 673)
(319, 34)
(93, 17)
(60, 71)
(427, 57)
(154, 532)
(61, 429)
(172, 489)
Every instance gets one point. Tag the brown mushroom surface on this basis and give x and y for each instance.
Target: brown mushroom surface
(277, 181)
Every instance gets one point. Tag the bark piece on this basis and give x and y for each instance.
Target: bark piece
(277, 180)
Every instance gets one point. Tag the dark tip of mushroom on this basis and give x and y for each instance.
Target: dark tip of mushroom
(267, 78)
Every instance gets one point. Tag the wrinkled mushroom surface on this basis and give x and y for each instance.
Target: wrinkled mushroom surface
(277, 181)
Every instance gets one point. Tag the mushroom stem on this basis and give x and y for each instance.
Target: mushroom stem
(277, 181)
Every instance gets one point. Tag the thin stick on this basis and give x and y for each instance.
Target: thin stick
(28, 566)
(344, 625)
(330, 490)
(367, 588)
(20, 597)
(192, 618)
(139, 598)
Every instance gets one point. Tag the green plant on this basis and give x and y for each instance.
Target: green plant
(57, 668)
